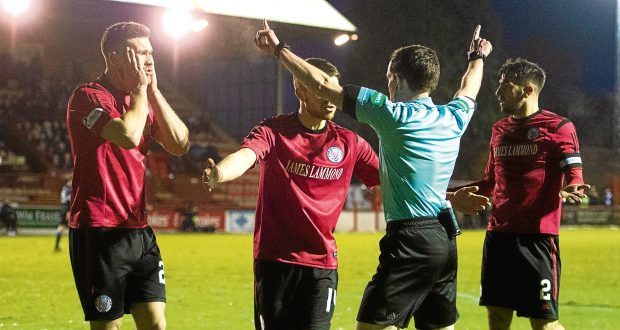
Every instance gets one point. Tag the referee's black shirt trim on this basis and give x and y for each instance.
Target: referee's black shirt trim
(349, 102)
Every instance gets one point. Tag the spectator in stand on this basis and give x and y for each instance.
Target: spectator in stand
(594, 196)
(608, 199)
(189, 213)
(8, 216)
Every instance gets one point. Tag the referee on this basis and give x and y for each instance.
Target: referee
(419, 144)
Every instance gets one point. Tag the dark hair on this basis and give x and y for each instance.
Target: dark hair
(522, 71)
(115, 37)
(325, 66)
(419, 65)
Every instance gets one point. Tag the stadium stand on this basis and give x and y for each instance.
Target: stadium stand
(35, 154)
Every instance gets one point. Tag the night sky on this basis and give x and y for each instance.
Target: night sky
(585, 28)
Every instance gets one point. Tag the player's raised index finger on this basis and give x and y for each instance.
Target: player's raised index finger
(477, 32)
(265, 24)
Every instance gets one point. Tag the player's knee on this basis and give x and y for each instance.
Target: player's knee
(106, 325)
(499, 318)
(159, 324)
(542, 324)
(153, 323)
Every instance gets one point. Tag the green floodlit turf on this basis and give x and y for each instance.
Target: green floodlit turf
(209, 280)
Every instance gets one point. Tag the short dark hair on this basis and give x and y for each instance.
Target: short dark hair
(419, 65)
(325, 66)
(115, 37)
(522, 71)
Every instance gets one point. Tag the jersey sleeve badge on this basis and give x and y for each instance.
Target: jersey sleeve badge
(93, 116)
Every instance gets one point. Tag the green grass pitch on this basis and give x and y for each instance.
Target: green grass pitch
(209, 281)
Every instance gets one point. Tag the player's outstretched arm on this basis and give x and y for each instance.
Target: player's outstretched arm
(230, 168)
(317, 81)
(479, 49)
(464, 200)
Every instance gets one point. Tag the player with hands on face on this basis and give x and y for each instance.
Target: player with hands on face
(112, 121)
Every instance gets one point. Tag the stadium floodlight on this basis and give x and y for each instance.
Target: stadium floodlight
(200, 25)
(177, 22)
(344, 38)
(16, 7)
(180, 22)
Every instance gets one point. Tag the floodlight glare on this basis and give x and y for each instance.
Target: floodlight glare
(342, 39)
(200, 25)
(16, 7)
(177, 22)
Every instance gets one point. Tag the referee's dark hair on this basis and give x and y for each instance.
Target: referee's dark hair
(522, 71)
(325, 66)
(115, 37)
(419, 65)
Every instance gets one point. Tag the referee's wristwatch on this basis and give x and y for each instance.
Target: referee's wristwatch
(472, 56)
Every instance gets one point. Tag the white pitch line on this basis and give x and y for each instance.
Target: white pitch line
(475, 299)
(468, 296)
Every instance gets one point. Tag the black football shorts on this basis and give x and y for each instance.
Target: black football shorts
(293, 297)
(114, 268)
(521, 272)
(416, 277)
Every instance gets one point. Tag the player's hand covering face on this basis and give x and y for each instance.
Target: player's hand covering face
(137, 64)
(265, 39)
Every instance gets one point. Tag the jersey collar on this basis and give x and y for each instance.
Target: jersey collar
(524, 119)
(427, 101)
(103, 80)
(306, 129)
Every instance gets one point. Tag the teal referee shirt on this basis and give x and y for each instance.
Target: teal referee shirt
(418, 146)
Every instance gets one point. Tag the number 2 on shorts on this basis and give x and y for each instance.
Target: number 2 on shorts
(545, 288)
(162, 278)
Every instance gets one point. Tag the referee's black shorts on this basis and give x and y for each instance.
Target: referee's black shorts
(521, 272)
(293, 297)
(114, 268)
(416, 277)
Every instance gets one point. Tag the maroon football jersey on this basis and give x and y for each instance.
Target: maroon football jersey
(304, 180)
(528, 160)
(108, 181)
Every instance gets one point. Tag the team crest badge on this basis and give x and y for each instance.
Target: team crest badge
(103, 303)
(335, 154)
(533, 133)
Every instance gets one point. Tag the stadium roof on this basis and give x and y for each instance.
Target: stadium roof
(315, 13)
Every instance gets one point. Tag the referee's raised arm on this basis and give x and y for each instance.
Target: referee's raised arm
(479, 49)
